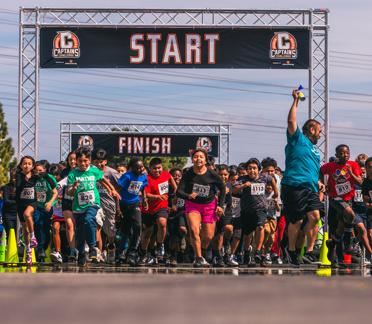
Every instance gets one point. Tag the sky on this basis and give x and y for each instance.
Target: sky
(254, 102)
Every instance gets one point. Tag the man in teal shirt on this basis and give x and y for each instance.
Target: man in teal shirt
(300, 183)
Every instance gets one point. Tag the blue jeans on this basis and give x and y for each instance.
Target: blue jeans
(43, 226)
(86, 228)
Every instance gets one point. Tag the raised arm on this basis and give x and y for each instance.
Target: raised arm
(292, 125)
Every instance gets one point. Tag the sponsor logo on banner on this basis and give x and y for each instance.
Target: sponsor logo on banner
(66, 45)
(204, 142)
(85, 141)
(283, 46)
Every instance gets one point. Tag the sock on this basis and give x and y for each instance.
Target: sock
(28, 248)
(32, 235)
(298, 251)
(348, 232)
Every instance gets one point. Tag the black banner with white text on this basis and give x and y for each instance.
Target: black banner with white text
(242, 48)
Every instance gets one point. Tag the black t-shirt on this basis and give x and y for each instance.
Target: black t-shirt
(9, 204)
(228, 200)
(25, 189)
(367, 191)
(205, 185)
(180, 204)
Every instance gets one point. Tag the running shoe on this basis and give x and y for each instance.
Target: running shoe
(230, 262)
(200, 263)
(310, 258)
(82, 261)
(292, 258)
(73, 256)
(33, 243)
(268, 259)
(173, 262)
(263, 262)
(219, 262)
(132, 259)
(56, 257)
(349, 249)
(41, 254)
(279, 261)
(122, 256)
(257, 257)
(367, 261)
(274, 257)
(93, 254)
(331, 254)
(239, 259)
(143, 260)
(111, 253)
(29, 258)
(247, 256)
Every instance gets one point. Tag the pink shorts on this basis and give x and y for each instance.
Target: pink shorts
(207, 211)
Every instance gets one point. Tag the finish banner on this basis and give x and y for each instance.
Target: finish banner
(136, 144)
(240, 48)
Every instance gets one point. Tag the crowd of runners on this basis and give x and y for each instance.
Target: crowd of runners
(83, 210)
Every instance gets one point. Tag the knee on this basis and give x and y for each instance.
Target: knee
(207, 236)
(194, 232)
(162, 223)
(228, 231)
(182, 231)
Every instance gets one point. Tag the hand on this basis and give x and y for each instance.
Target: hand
(219, 211)
(321, 187)
(295, 94)
(368, 205)
(75, 185)
(174, 208)
(275, 199)
(348, 167)
(114, 193)
(162, 197)
(227, 190)
(48, 206)
(118, 215)
(247, 184)
(193, 195)
(145, 204)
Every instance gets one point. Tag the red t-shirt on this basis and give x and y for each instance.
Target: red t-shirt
(157, 186)
(340, 183)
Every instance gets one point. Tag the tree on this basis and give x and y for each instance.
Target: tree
(7, 150)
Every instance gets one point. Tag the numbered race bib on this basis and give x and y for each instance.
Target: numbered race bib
(28, 193)
(163, 188)
(201, 191)
(59, 203)
(358, 196)
(86, 197)
(270, 204)
(135, 187)
(41, 196)
(257, 189)
(342, 189)
(180, 203)
(235, 202)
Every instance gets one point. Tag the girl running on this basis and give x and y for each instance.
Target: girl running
(9, 208)
(26, 200)
(199, 187)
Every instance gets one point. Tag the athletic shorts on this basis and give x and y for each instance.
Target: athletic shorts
(339, 205)
(358, 219)
(298, 201)
(207, 211)
(58, 219)
(222, 222)
(252, 220)
(237, 228)
(106, 220)
(369, 222)
(22, 208)
(149, 220)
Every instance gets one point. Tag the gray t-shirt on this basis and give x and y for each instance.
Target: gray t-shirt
(253, 197)
(270, 206)
(107, 202)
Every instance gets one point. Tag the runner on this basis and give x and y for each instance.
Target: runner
(342, 176)
(9, 208)
(300, 183)
(198, 188)
(130, 185)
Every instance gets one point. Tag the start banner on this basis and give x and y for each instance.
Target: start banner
(135, 144)
(203, 47)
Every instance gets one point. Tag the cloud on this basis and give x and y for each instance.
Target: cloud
(344, 123)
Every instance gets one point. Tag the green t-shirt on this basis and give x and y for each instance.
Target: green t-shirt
(44, 192)
(86, 194)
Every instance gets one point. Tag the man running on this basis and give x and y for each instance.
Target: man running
(300, 183)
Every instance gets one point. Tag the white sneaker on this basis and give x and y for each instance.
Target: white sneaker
(268, 258)
(56, 257)
(367, 261)
(280, 261)
(231, 261)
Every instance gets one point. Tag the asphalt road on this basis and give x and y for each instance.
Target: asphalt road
(188, 298)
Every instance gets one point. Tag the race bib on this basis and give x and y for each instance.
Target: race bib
(41, 196)
(86, 197)
(201, 191)
(270, 204)
(163, 188)
(235, 202)
(342, 189)
(28, 193)
(358, 196)
(180, 203)
(59, 203)
(135, 187)
(257, 189)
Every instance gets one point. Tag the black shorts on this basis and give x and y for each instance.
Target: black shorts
(237, 228)
(175, 221)
(369, 222)
(298, 202)
(149, 220)
(9, 221)
(66, 207)
(339, 205)
(332, 220)
(358, 219)
(224, 220)
(250, 221)
(22, 208)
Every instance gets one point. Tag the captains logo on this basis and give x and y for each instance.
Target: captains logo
(66, 44)
(283, 46)
(204, 142)
(86, 141)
